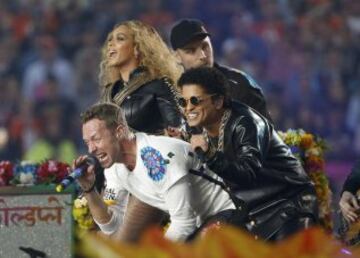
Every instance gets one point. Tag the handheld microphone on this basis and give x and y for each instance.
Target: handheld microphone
(193, 130)
(78, 172)
(200, 153)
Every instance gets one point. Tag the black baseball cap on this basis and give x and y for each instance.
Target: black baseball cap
(185, 31)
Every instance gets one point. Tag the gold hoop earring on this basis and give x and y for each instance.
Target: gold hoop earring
(136, 53)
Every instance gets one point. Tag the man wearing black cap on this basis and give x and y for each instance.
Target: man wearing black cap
(192, 45)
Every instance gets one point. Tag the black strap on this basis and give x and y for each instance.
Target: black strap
(239, 204)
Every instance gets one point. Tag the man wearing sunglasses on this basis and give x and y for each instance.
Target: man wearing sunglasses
(192, 45)
(242, 147)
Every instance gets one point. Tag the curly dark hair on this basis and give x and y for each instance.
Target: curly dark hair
(211, 79)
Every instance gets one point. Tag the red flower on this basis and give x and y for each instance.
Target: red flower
(6, 172)
(314, 163)
(52, 171)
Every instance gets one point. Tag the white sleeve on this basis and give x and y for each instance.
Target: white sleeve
(116, 193)
(178, 199)
(117, 214)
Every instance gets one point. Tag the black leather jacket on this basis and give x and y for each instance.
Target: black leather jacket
(243, 88)
(256, 163)
(151, 107)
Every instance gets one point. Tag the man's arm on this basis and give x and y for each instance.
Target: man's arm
(138, 217)
(109, 219)
(179, 200)
(125, 221)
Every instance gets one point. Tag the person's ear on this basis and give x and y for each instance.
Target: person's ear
(219, 102)
(120, 132)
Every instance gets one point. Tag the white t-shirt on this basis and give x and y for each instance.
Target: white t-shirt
(161, 179)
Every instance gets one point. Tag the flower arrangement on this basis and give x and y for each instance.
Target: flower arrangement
(52, 172)
(6, 172)
(48, 172)
(83, 219)
(82, 216)
(28, 173)
(310, 151)
(24, 174)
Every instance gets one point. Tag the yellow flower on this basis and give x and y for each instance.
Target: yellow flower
(306, 141)
(80, 212)
(82, 216)
(80, 202)
(87, 223)
(313, 152)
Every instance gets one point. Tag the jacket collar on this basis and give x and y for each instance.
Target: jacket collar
(138, 70)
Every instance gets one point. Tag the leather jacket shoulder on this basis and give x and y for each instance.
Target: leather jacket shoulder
(254, 156)
(244, 88)
(150, 108)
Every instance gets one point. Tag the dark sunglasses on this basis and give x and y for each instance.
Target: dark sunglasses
(193, 100)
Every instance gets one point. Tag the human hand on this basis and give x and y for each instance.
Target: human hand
(87, 180)
(199, 140)
(173, 132)
(349, 206)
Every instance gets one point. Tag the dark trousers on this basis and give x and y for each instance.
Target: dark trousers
(230, 217)
(279, 226)
(292, 226)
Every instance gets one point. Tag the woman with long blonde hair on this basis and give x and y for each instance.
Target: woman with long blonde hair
(138, 72)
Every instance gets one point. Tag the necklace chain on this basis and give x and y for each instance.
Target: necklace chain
(224, 119)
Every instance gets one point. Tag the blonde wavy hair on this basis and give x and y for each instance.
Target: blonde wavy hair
(153, 52)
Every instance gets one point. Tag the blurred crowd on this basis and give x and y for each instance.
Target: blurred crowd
(305, 55)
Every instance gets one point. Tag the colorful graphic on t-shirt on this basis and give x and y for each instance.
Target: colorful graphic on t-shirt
(109, 194)
(154, 162)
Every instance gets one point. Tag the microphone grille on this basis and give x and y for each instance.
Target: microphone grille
(91, 160)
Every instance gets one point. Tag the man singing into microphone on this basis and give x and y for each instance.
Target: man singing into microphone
(154, 169)
(242, 147)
